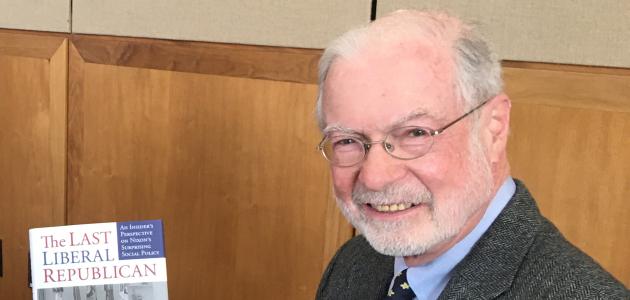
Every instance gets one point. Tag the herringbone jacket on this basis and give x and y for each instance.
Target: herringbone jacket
(521, 256)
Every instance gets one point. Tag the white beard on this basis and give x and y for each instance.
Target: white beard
(435, 222)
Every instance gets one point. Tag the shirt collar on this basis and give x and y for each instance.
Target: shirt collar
(429, 280)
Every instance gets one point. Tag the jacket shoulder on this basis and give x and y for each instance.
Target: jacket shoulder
(523, 256)
(554, 268)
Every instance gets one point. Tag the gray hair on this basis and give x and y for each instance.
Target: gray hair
(477, 70)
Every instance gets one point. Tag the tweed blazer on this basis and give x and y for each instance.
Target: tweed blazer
(521, 256)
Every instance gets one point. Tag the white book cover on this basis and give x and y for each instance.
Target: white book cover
(105, 261)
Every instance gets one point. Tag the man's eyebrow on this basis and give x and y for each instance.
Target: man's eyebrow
(416, 113)
(338, 128)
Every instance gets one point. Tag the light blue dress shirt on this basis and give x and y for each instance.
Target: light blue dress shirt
(428, 281)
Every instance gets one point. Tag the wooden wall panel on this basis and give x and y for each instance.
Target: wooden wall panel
(228, 162)
(569, 142)
(33, 77)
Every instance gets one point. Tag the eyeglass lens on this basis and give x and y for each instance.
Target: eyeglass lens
(404, 143)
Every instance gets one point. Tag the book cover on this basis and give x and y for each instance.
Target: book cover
(105, 261)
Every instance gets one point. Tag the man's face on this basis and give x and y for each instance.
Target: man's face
(431, 199)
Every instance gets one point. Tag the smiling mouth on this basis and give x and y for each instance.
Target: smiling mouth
(392, 207)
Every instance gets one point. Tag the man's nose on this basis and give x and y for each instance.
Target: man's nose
(380, 169)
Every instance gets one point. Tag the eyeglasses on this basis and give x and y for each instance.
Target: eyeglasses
(406, 143)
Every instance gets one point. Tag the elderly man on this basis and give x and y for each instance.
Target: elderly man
(415, 127)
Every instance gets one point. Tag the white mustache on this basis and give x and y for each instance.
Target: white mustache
(392, 194)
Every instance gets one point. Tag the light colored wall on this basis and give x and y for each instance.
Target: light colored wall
(307, 24)
(585, 32)
(44, 15)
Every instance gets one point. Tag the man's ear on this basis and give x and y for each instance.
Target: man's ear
(497, 125)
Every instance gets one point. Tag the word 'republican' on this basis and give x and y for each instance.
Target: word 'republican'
(99, 272)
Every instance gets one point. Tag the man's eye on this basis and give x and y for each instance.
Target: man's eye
(417, 132)
(343, 142)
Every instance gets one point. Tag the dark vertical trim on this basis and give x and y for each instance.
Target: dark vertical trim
(373, 12)
(66, 173)
(30, 275)
(1, 273)
(70, 16)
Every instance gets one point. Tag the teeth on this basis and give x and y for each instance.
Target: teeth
(392, 207)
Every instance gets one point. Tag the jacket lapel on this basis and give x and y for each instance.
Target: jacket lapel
(371, 275)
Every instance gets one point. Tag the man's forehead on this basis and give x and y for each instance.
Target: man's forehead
(402, 50)
(419, 61)
(391, 92)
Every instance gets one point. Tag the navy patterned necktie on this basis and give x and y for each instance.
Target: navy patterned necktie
(400, 290)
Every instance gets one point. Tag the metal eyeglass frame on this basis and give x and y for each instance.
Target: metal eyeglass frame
(387, 147)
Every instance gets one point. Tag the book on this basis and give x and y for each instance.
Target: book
(105, 261)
